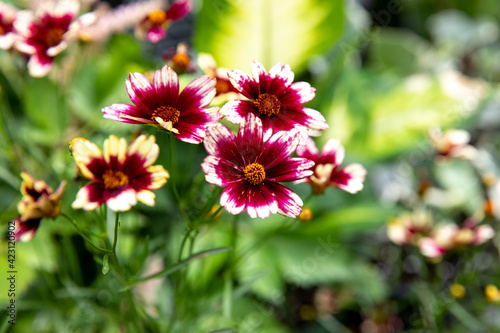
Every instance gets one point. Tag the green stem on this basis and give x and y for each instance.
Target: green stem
(229, 276)
(83, 235)
(172, 180)
(115, 236)
(183, 243)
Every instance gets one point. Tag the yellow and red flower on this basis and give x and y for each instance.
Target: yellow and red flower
(39, 201)
(121, 175)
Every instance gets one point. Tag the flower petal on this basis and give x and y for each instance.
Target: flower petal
(289, 203)
(220, 172)
(332, 152)
(179, 9)
(244, 84)
(309, 150)
(89, 197)
(197, 94)
(250, 138)
(166, 84)
(236, 110)
(89, 159)
(234, 198)
(279, 147)
(146, 197)
(121, 200)
(156, 33)
(220, 141)
(126, 113)
(141, 93)
(290, 170)
(259, 204)
(350, 178)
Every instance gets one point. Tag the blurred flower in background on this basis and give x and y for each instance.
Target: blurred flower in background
(154, 26)
(327, 171)
(8, 15)
(39, 201)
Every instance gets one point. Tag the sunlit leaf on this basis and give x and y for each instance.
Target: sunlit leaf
(271, 31)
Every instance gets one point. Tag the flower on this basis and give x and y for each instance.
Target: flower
(250, 169)
(154, 26)
(109, 21)
(120, 176)
(408, 228)
(275, 100)
(46, 33)
(448, 236)
(161, 104)
(492, 293)
(457, 291)
(39, 201)
(453, 143)
(7, 33)
(327, 171)
(223, 87)
(179, 60)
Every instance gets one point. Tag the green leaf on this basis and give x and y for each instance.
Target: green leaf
(174, 268)
(270, 31)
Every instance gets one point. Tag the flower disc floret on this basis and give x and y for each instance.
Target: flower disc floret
(114, 179)
(267, 104)
(254, 173)
(167, 114)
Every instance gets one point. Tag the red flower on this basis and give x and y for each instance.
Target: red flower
(251, 169)
(46, 34)
(275, 100)
(161, 104)
(327, 170)
(154, 26)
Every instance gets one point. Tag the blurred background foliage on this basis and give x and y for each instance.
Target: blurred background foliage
(385, 72)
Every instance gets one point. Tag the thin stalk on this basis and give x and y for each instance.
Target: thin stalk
(229, 276)
(83, 235)
(183, 243)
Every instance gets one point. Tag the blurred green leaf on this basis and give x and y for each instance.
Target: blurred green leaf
(270, 31)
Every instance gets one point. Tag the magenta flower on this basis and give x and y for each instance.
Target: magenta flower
(120, 176)
(250, 168)
(154, 26)
(161, 104)
(275, 100)
(327, 170)
(45, 34)
(7, 33)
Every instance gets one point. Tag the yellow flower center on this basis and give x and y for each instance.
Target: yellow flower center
(157, 17)
(267, 104)
(114, 179)
(2, 30)
(181, 60)
(54, 37)
(254, 173)
(167, 113)
(221, 86)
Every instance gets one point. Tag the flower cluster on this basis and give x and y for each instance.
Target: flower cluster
(40, 34)
(273, 123)
(434, 241)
